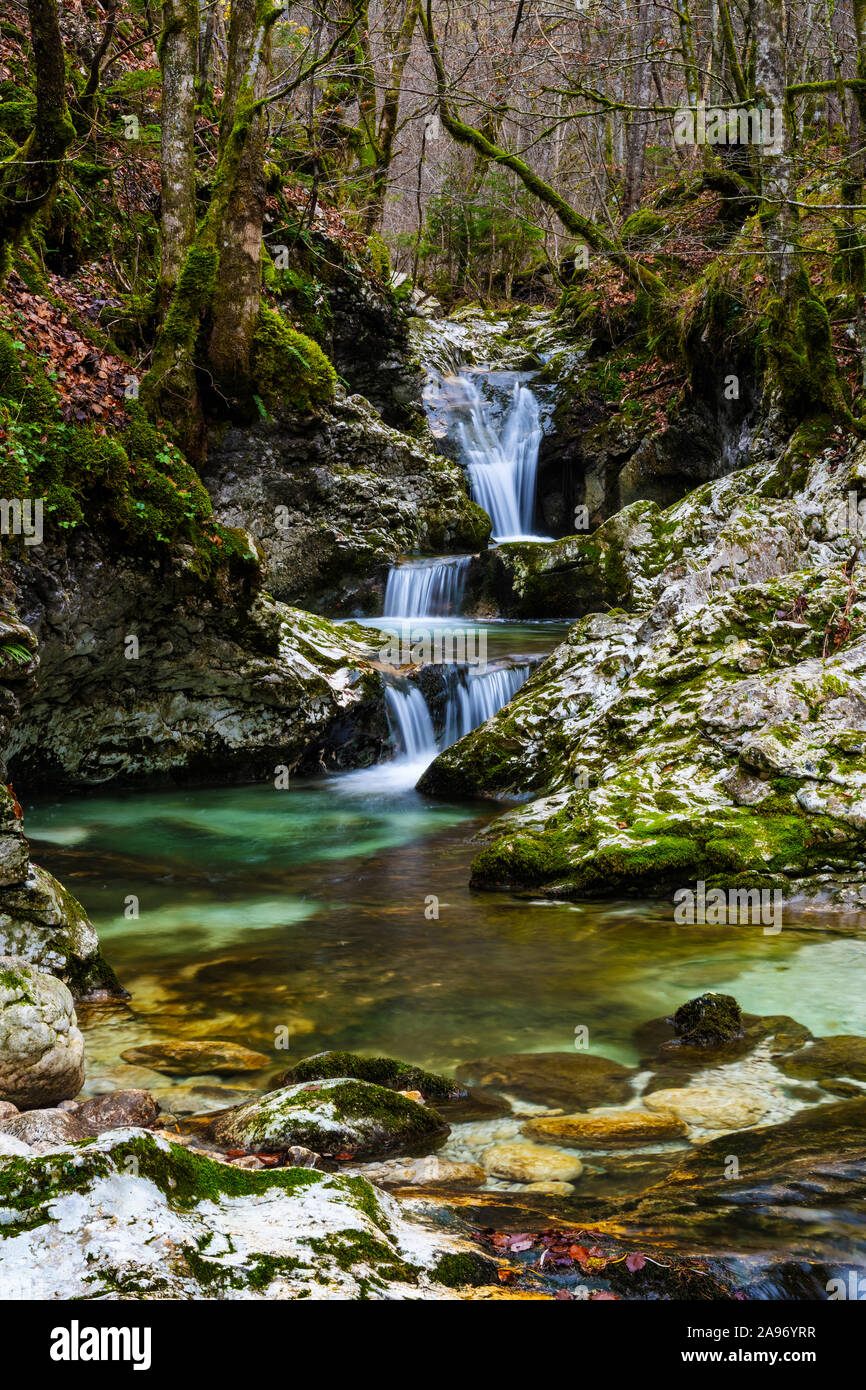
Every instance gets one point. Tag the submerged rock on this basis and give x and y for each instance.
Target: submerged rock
(41, 1049)
(521, 1161)
(132, 1216)
(610, 1130)
(196, 1056)
(430, 1171)
(382, 1071)
(552, 1078)
(810, 1170)
(335, 1116)
(710, 1107)
(828, 1061)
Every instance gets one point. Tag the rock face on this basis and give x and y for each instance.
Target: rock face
(41, 1049)
(223, 686)
(196, 1057)
(715, 734)
(331, 1117)
(332, 502)
(39, 920)
(132, 1216)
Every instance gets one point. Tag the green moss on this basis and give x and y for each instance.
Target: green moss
(468, 1269)
(382, 1071)
(520, 860)
(288, 368)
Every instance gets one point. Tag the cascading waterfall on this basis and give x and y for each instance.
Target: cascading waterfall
(426, 588)
(503, 467)
(474, 697)
(410, 720)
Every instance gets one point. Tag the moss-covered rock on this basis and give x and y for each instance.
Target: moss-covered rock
(709, 1020)
(288, 368)
(714, 734)
(337, 1115)
(381, 1071)
(131, 1216)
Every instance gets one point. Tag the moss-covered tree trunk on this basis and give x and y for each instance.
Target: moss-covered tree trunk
(237, 293)
(181, 362)
(29, 177)
(178, 49)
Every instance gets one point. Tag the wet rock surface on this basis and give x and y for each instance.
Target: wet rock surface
(41, 1048)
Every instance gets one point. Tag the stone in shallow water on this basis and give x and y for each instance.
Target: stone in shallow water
(429, 1171)
(826, 1059)
(192, 1057)
(340, 1115)
(611, 1130)
(197, 1100)
(574, 1079)
(709, 1107)
(521, 1161)
(115, 1110)
(41, 1048)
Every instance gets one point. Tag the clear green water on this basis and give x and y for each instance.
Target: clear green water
(263, 909)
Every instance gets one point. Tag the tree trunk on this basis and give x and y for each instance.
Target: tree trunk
(178, 48)
(237, 295)
(29, 178)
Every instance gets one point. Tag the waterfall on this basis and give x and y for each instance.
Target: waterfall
(409, 717)
(502, 466)
(474, 697)
(426, 588)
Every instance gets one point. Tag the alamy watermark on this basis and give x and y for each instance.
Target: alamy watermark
(734, 906)
(733, 125)
(22, 516)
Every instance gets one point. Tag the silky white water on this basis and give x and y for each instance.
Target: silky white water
(503, 464)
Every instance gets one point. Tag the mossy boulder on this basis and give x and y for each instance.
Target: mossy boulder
(334, 1116)
(709, 1020)
(288, 368)
(381, 1071)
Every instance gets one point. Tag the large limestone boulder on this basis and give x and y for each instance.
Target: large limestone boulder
(133, 1216)
(41, 1049)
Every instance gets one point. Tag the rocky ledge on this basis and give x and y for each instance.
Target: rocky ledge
(713, 728)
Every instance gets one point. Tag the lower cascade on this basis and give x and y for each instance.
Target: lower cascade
(470, 698)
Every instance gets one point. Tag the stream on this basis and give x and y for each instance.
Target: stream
(337, 911)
